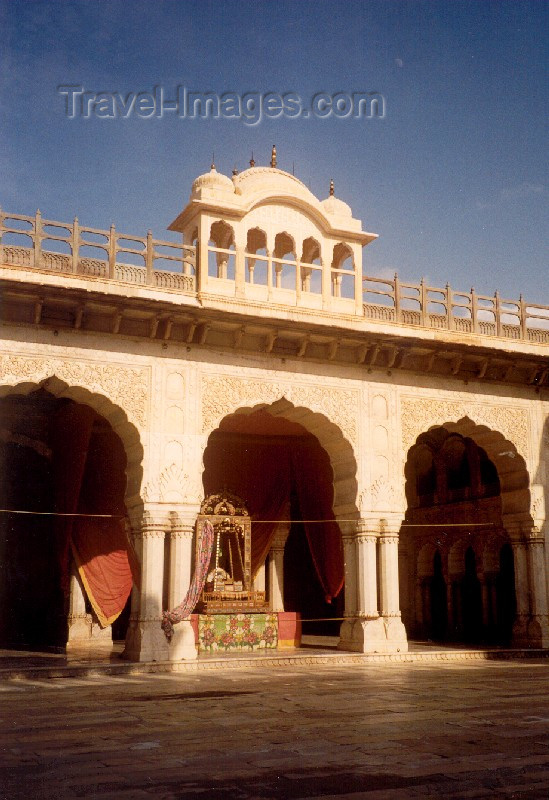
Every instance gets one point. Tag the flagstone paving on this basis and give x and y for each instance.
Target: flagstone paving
(387, 731)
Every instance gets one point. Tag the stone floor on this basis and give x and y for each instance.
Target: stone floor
(473, 729)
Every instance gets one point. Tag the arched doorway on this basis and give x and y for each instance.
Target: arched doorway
(459, 576)
(284, 475)
(62, 491)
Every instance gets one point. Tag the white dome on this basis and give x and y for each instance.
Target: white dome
(332, 205)
(211, 182)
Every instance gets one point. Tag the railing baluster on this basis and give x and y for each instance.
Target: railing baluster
(396, 298)
(450, 322)
(474, 310)
(149, 260)
(423, 303)
(112, 252)
(497, 311)
(75, 246)
(37, 238)
(523, 318)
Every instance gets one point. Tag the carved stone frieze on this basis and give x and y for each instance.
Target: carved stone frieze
(127, 387)
(420, 414)
(222, 395)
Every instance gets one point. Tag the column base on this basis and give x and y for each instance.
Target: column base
(531, 632)
(145, 641)
(182, 646)
(538, 632)
(373, 635)
(520, 632)
(396, 634)
(79, 630)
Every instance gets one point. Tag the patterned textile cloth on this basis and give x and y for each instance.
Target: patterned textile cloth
(237, 632)
(183, 610)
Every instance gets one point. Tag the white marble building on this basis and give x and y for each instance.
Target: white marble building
(265, 307)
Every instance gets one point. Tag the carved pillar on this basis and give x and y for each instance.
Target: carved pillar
(520, 627)
(240, 270)
(79, 622)
(538, 626)
(259, 580)
(146, 640)
(202, 254)
(363, 632)
(388, 576)
(366, 544)
(349, 562)
(276, 566)
(182, 645)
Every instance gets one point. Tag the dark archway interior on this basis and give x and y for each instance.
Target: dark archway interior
(281, 471)
(458, 583)
(55, 456)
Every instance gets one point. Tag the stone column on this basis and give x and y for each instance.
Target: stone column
(538, 626)
(520, 627)
(146, 640)
(182, 645)
(79, 622)
(276, 567)
(259, 580)
(388, 573)
(349, 563)
(240, 270)
(364, 631)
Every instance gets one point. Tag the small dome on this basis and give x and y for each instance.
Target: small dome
(332, 205)
(212, 181)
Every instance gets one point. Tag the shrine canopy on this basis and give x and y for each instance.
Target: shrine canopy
(267, 461)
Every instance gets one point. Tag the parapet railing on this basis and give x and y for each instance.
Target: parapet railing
(450, 309)
(73, 249)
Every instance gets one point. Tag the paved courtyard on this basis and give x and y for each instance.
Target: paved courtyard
(470, 730)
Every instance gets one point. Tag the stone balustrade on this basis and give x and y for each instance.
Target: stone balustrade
(112, 256)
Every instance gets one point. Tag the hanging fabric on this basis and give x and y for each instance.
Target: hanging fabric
(204, 553)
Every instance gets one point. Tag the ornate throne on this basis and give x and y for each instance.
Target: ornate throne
(229, 585)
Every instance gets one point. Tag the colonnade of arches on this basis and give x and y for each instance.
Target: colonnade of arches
(279, 263)
(468, 569)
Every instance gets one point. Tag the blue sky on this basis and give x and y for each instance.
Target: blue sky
(453, 178)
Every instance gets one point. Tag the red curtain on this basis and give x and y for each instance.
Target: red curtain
(264, 471)
(90, 479)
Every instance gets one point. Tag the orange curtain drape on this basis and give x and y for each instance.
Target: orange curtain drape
(89, 479)
(264, 473)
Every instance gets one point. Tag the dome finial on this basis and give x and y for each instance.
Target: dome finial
(252, 162)
(331, 187)
(235, 170)
(212, 165)
(273, 157)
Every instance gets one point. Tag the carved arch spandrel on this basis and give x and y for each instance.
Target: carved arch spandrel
(112, 412)
(223, 395)
(420, 414)
(126, 387)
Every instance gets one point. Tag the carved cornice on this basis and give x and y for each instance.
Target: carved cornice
(421, 414)
(224, 394)
(126, 387)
